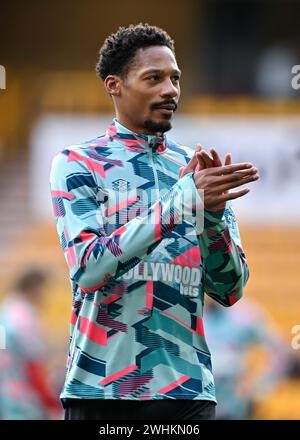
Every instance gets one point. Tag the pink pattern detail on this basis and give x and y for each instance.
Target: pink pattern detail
(62, 194)
(111, 299)
(118, 375)
(157, 222)
(86, 236)
(73, 318)
(173, 160)
(112, 130)
(149, 294)
(94, 166)
(133, 383)
(119, 231)
(199, 326)
(173, 385)
(191, 257)
(93, 331)
(112, 210)
(229, 248)
(232, 299)
(69, 251)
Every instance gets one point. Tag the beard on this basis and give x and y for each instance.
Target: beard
(157, 127)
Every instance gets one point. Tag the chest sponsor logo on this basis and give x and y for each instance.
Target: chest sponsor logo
(187, 277)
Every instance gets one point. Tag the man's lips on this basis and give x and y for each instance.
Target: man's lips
(167, 107)
(166, 110)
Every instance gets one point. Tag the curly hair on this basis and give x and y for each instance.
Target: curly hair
(119, 48)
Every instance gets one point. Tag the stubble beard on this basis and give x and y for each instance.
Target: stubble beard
(157, 127)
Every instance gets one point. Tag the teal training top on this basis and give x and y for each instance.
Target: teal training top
(140, 259)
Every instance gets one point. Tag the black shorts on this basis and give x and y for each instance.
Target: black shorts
(100, 409)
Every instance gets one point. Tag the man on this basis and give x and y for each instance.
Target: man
(138, 257)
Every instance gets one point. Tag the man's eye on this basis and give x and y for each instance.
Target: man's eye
(153, 77)
(176, 78)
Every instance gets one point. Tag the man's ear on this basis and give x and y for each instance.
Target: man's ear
(112, 84)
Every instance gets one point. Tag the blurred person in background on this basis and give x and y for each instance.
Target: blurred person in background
(25, 392)
(233, 334)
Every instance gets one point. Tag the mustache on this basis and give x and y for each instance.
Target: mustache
(157, 105)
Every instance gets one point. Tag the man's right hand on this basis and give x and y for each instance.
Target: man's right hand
(217, 181)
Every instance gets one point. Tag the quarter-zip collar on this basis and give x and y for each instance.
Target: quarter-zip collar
(136, 141)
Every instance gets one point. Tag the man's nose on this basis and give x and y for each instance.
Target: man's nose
(169, 89)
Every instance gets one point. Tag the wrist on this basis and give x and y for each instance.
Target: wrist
(214, 215)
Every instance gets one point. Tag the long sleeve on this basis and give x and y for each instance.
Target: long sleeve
(226, 269)
(94, 257)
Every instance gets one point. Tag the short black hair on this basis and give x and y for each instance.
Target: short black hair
(120, 48)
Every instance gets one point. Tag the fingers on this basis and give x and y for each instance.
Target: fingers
(236, 176)
(198, 167)
(217, 179)
(228, 196)
(228, 169)
(202, 160)
(233, 195)
(228, 160)
(206, 176)
(192, 164)
(198, 149)
(237, 183)
(201, 165)
(216, 158)
(206, 159)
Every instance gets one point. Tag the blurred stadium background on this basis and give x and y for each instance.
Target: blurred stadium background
(236, 58)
